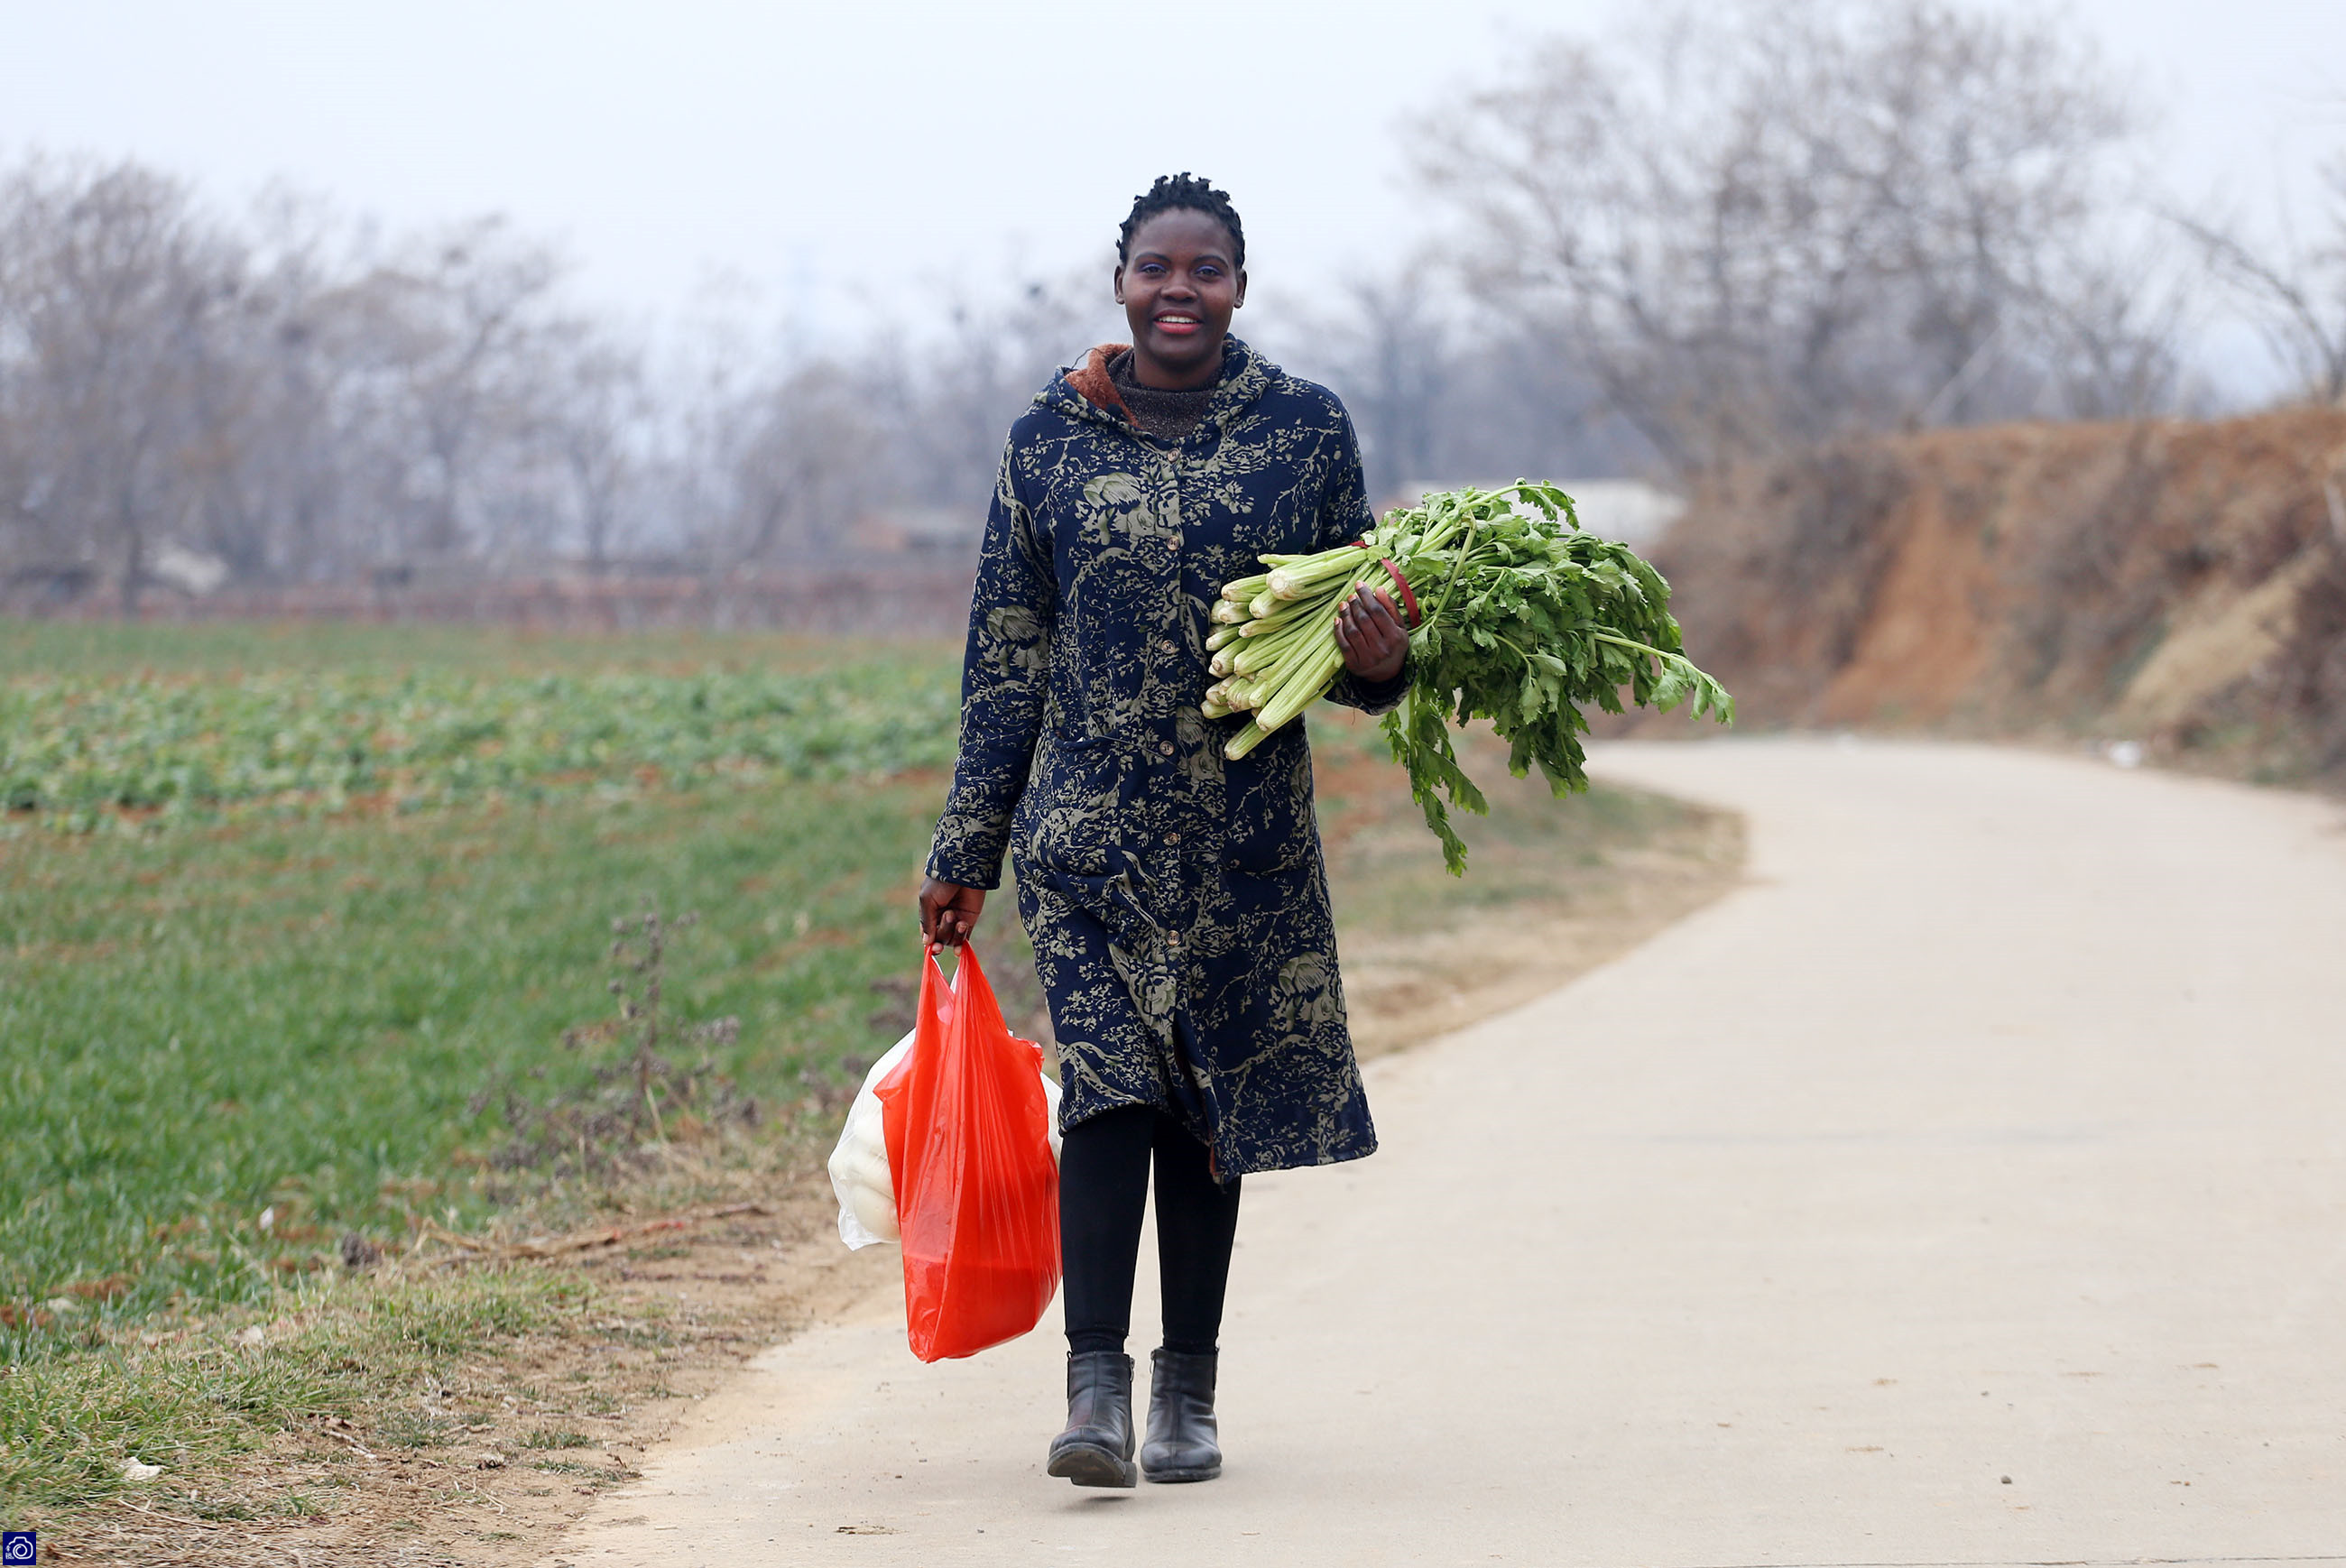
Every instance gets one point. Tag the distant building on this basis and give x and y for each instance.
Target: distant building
(55, 585)
(196, 572)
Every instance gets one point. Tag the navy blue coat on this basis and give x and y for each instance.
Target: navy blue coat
(1176, 901)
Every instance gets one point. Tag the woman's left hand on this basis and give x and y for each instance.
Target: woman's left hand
(1369, 634)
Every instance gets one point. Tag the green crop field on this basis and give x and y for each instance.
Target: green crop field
(82, 750)
(276, 914)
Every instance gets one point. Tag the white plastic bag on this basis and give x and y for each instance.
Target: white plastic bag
(858, 1164)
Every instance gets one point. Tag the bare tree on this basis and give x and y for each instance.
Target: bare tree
(1443, 390)
(280, 393)
(113, 298)
(2114, 351)
(599, 428)
(1393, 361)
(453, 328)
(796, 455)
(287, 469)
(951, 399)
(1798, 216)
(2295, 294)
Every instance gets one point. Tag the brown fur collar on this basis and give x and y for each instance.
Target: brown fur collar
(1091, 379)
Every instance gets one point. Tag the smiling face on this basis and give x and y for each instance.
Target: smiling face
(1177, 288)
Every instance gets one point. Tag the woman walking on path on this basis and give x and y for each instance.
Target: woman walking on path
(1176, 899)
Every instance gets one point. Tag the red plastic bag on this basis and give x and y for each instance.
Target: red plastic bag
(969, 1151)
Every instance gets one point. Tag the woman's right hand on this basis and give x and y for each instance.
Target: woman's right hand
(948, 912)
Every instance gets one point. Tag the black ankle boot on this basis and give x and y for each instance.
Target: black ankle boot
(1096, 1448)
(1183, 1443)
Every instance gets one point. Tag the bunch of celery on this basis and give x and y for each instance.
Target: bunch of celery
(1524, 619)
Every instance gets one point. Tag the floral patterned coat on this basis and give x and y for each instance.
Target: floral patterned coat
(1176, 901)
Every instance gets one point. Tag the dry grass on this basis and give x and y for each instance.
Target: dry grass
(463, 1402)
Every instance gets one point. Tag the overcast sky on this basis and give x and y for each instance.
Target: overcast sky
(836, 152)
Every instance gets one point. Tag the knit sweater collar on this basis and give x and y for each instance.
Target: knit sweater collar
(1167, 413)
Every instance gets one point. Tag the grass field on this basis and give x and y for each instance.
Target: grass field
(209, 1019)
(240, 1020)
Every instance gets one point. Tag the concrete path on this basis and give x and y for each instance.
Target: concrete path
(1968, 1188)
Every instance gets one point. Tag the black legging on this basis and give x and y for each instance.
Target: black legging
(1103, 1189)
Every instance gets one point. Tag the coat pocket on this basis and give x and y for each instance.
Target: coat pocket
(1070, 816)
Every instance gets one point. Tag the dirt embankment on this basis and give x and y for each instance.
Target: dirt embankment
(2181, 584)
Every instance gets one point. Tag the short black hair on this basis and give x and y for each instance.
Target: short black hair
(1183, 192)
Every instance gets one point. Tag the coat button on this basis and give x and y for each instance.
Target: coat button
(1167, 647)
(1173, 939)
(1173, 838)
(1166, 746)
